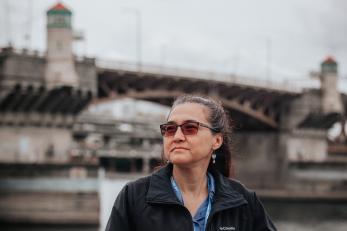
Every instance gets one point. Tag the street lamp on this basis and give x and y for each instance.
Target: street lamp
(138, 16)
(234, 61)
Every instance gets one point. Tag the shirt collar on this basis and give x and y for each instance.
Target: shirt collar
(210, 187)
(160, 189)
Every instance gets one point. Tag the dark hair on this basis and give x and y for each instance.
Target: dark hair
(221, 122)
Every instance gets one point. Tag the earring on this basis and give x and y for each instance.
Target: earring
(167, 161)
(214, 158)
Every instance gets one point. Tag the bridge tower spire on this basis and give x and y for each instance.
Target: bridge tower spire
(331, 98)
(60, 67)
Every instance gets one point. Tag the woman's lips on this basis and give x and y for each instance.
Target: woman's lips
(179, 148)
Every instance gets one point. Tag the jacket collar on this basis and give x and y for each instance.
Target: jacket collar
(160, 190)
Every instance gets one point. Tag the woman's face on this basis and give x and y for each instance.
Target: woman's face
(183, 149)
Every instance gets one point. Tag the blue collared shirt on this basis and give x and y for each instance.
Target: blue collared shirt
(201, 216)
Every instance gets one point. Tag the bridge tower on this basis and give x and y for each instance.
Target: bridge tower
(43, 94)
(331, 98)
(60, 68)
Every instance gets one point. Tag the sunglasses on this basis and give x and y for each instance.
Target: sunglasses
(187, 128)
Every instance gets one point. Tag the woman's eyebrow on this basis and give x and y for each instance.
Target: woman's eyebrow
(190, 121)
(184, 121)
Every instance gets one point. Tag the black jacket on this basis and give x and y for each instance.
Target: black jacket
(150, 204)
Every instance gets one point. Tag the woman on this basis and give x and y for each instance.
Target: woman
(193, 191)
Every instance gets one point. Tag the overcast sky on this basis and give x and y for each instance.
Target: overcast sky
(246, 37)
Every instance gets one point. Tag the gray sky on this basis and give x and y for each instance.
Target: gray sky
(243, 37)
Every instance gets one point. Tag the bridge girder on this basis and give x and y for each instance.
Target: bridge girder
(37, 100)
(250, 103)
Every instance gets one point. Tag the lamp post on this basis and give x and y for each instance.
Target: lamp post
(234, 61)
(162, 55)
(138, 16)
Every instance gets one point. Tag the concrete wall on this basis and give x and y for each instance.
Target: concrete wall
(60, 68)
(331, 98)
(307, 144)
(23, 69)
(319, 177)
(294, 161)
(259, 160)
(28, 69)
(86, 70)
(49, 207)
(34, 144)
(296, 110)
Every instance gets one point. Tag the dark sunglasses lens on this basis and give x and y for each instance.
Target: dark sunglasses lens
(190, 128)
(169, 129)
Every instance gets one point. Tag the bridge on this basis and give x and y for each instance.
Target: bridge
(252, 107)
(288, 120)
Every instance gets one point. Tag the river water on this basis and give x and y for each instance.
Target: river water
(310, 217)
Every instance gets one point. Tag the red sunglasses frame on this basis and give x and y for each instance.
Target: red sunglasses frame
(163, 128)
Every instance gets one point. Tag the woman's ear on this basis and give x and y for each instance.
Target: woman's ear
(218, 141)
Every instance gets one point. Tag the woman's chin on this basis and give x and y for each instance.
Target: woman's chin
(180, 160)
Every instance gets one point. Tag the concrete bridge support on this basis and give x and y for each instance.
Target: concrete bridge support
(259, 160)
(34, 144)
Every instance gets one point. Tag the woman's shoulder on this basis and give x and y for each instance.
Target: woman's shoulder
(140, 184)
(260, 216)
(240, 188)
(133, 192)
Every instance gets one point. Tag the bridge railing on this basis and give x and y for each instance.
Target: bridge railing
(280, 84)
(23, 51)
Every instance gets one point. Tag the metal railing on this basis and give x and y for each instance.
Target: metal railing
(283, 85)
(24, 51)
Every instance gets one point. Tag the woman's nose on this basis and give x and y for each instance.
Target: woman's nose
(179, 135)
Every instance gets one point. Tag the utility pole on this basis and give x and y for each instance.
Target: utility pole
(268, 59)
(162, 55)
(8, 22)
(138, 16)
(27, 35)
